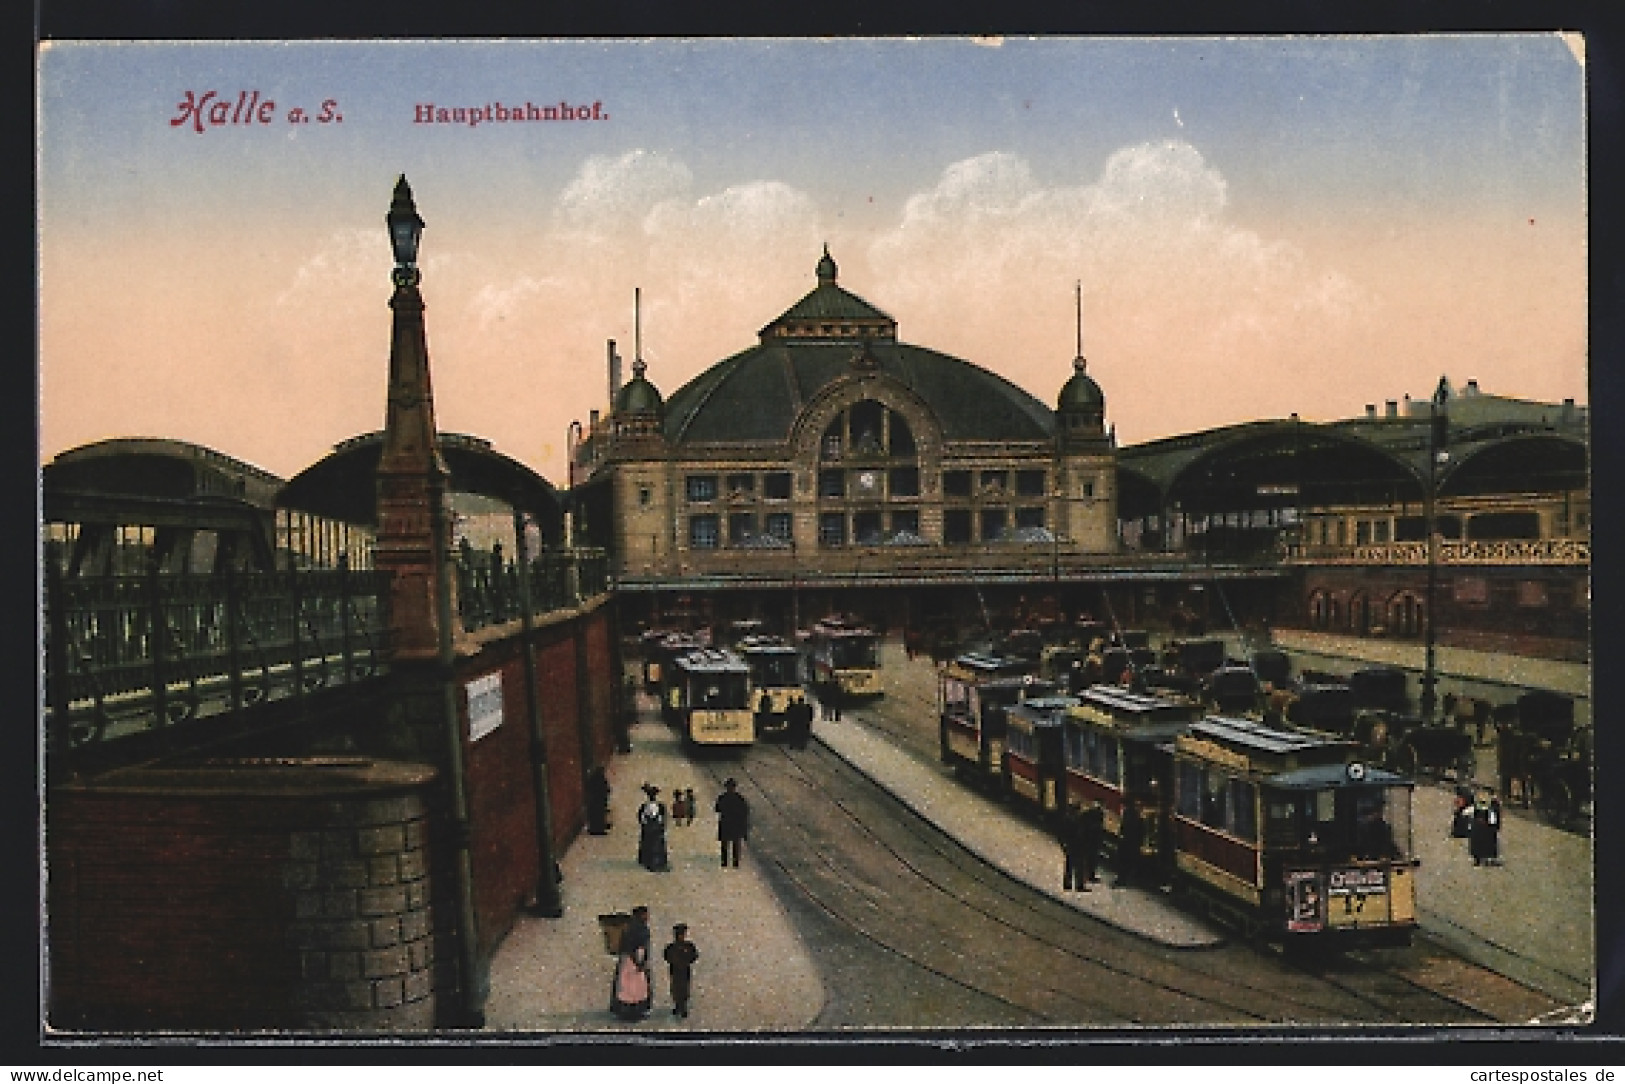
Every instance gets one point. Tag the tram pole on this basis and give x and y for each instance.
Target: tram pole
(1438, 439)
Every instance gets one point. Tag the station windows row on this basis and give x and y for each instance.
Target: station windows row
(835, 482)
(773, 486)
(866, 527)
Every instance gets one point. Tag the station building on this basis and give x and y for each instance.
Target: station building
(832, 451)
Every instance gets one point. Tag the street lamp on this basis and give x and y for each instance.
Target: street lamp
(1438, 454)
(405, 231)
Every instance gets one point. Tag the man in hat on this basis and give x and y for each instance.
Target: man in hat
(733, 820)
(680, 956)
(652, 831)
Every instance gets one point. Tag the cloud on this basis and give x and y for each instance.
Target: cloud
(1174, 290)
(607, 193)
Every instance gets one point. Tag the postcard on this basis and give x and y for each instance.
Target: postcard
(1020, 538)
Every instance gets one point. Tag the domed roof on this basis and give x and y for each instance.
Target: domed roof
(1081, 392)
(757, 394)
(638, 395)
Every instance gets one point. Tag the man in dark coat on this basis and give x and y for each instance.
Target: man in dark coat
(1091, 834)
(1128, 846)
(1073, 877)
(597, 798)
(680, 955)
(800, 717)
(733, 820)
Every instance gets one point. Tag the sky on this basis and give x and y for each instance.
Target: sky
(1259, 226)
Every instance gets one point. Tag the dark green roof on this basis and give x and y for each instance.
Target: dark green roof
(828, 301)
(1080, 391)
(757, 394)
(637, 395)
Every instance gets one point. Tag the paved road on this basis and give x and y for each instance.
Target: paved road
(908, 929)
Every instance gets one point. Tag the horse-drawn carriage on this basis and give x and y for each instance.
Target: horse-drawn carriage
(1545, 760)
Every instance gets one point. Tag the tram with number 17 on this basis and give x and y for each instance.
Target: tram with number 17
(1283, 834)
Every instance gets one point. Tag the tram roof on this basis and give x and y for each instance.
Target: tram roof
(987, 660)
(1044, 709)
(710, 660)
(1116, 696)
(1322, 776)
(764, 645)
(1252, 735)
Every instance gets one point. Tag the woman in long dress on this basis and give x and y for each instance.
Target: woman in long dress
(632, 991)
(652, 832)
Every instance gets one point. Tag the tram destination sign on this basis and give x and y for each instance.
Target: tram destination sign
(1357, 882)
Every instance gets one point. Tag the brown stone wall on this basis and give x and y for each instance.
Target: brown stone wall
(247, 895)
(501, 799)
(556, 663)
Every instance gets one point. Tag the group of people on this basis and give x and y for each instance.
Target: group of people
(733, 823)
(798, 718)
(631, 995)
(1083, 834)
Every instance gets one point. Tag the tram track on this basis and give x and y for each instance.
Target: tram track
(918, 895)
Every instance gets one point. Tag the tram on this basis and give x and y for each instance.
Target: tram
(974, 693)
(775, 672)
(1286, 836)
(708, 698)
(1116, 752)
(843, 656)
(1034, 757)
(659, 673)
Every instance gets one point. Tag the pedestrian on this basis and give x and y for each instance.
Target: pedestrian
(1072, 875)
(1481, 841)
(679, 806)
(597, 797)
(835, 704)
(680, 955)
(631, 992)
(1495, 830)
(733, 820)
(764, 713)
(652, 832)
(800, 723)
(1093, 834)
(1131, 835)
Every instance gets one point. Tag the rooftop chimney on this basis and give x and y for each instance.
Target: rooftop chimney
(1393, 408)
(1471, 388)
(1371, 410)
(614, 373)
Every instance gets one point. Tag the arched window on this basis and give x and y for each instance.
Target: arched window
(868, 478)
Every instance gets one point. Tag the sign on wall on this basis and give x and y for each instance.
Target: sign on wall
(484, 705)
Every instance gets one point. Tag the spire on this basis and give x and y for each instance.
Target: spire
(826, 267)
(1078, 364)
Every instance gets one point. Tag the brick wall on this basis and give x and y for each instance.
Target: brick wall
(247, 895)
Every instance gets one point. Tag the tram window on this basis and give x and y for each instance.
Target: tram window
(1189, 788)
(1243, 818)
(1281, 823)
(1214, 796)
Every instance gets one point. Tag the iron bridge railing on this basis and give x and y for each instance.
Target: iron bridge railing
(491, 589)
(127, 655)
